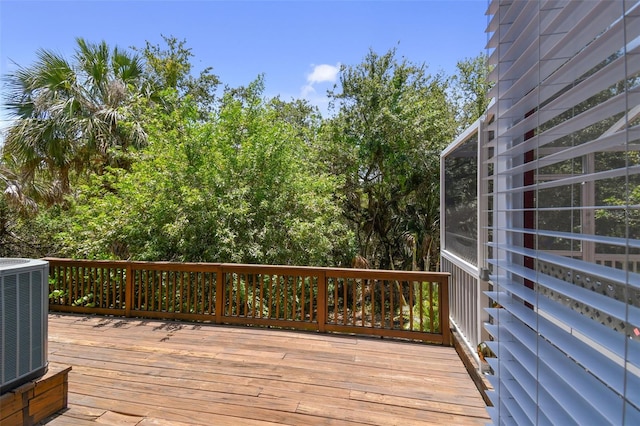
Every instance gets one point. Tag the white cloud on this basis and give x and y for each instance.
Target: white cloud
(320, 74)
(323, 73)
(316, 85)
(307, 90)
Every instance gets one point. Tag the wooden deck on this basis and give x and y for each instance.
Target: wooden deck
(151, 372)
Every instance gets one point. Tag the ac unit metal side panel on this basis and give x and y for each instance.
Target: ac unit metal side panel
(9, 330)
(23, 321)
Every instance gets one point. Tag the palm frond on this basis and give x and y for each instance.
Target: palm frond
(71, 115)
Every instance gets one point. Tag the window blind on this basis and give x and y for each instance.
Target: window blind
(564, 188)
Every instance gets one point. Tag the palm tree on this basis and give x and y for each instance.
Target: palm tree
(72, 115)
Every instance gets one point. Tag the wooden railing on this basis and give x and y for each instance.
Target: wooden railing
(629, 262)
(401, 304)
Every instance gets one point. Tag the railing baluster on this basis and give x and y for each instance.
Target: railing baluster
(181, 300)
(335, 301)
(144, 284)
(209, 285)
(121, 289)
(94, 285)
(151, 303)
(270, 295)
(322, 301)
(238, 282)
(253, 300)
(76, 294)
(193, 277)
(175, 307)
(203, 295)
(105, 286)
(362, 302)
(245, 282)
(161, 290)
(141, 287)
(187, 277)
(276, 293)
(68, 277)
(303, 299)
(128, 292)
(383, 317)
(371, 286)
(261, 310)
(390, 290)
(345, 301)
(168, 300)
(153, 290)
(312, 287)
(68, 283)
(411, 286)
(98, 285)
(228, 284)
(104, 289)
(285, 298)
(294, 308)
(148, 291)
(220, 294)
(432, 326)
(352, 285)
(137, 282)
(422, 306)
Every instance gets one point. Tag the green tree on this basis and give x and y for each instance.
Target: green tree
(71, 115)
(392, 121)
(169, 69)
(470, 90)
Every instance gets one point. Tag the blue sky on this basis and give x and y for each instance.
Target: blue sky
(298, 45)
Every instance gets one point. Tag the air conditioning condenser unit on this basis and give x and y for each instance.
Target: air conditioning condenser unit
(24, 305)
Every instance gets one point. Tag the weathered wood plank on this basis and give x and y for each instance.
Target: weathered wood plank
(162, 372)
(35, 400)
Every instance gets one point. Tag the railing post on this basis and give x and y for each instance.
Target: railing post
(219, 293)
(322, 301)
(128, 295)
(444, 311)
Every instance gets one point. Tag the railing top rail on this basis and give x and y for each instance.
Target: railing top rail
(102, 263)
(386, 274)
(238, 267)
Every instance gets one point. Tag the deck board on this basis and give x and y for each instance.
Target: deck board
(150, 372)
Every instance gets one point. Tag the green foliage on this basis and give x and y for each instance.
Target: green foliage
(273, 296)
(623, 218)
(384, 143)
(130, 155)
(470, 90)
(422, 310)
(239, 188)
(24, 236)
(70, 116)
(169, 68)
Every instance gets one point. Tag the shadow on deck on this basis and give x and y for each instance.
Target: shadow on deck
(152, 372)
